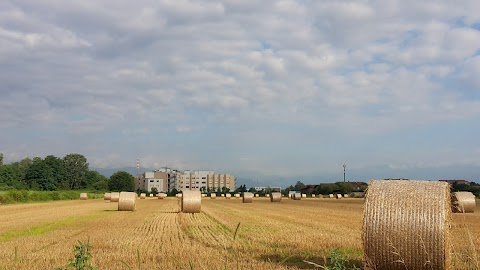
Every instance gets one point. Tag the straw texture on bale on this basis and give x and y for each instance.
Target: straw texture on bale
(463, 202)
(228, 196)
(213, 195)
(114, 196)
(247, 197)
(179, 195)
(267, 195)
(256, 195)
(330, 195)
(83, 196)
(276, 197)
(127, 201)
(297, 196)
(338, 196)
(151, 195)
(313, 195)
(106, 196)
(204, 195)
(143, 195)
(345, 195)
(407, 232)
(223, 195)
(161, 196)
(191, 201)
(237, 195)
(304, 195)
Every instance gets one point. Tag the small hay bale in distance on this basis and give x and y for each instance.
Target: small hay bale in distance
(267, 195)
(345, 195)
(276, 197)
(313, 195)
(247, 197)
(83, 196)
(127, 201)
(222, 195)
(213, 196)
(330, 195)
(297, 196)
(237, 195)
(338, 196)
(228, 196)
(463, 202)
(143, 195)
(256, 195)
(413, 229)
(161, 196)
(106, 196)
(179, 195)
(304, 195)
(204, 195)
(151, 195)
(114, 196)
(191, 201)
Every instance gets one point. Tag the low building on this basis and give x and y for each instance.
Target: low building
(149, 180)
(273, 189)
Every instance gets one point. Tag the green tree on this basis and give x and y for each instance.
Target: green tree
(92, 178)
(76, 168)
(39, 176)
(9, 177)
(1, 159)
(154, 191)
(121, 181)
(299, 185)
(22, 167)
(56, 165)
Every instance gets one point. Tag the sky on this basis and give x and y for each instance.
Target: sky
(267, 90)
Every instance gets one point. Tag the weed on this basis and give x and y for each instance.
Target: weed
(82, 258)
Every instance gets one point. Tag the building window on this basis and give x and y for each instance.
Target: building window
(151, 181)
(187, 186)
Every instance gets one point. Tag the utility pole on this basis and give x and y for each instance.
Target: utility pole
(344, 167)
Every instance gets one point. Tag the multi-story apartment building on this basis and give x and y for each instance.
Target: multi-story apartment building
(166, 179)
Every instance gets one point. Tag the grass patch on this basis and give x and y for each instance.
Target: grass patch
(26, 196)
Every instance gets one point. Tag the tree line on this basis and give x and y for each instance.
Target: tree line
(53, 173)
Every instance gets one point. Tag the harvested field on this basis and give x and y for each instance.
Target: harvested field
(270, 235)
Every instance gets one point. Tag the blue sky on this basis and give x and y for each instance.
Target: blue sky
(270, 90)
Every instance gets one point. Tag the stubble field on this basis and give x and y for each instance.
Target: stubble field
(270, 235)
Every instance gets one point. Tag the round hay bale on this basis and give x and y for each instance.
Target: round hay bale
(191, 201)
(161, 196)
(297, 196)
(114, 196)
(313, 195)
(106, 196)
(83, 196)
(228, 196)
(151, 195)
(204, 195)
(142, 195)
(222, 195)
(345, 195)
(304, 195)
(267, 195)
(127, 201)
(276, 197)
(213, 195)
(179, 195)
(407, 232)
(247, 197)
(237, 195)
(256, 195)
(330, 195)
(338, 196)
(463, 202)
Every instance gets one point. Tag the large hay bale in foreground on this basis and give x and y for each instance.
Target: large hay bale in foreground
(83, 196)
(127, 201)
(463, 202)
(406, 225)
(114, 196)
(228, 196)
(106, 196)
(297, 196)
(143, 195)
(191, 201)
(247, 197)
(213, 195)
(276, 197)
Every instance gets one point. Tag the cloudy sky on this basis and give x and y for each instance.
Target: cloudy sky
(262, 89)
